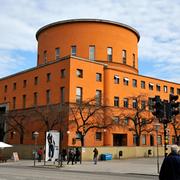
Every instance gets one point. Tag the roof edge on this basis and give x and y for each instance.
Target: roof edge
(87, 20)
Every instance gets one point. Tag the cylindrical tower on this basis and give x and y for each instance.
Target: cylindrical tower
(95, 39)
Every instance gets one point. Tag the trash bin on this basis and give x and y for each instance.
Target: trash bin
(120, 154)
(106, 156)
(149, 152)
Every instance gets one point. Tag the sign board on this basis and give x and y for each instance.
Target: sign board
(52, 146)
(15, 156)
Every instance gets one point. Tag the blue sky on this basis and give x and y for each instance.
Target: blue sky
(157, 21)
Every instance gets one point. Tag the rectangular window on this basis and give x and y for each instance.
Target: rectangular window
(143, 84)
(116, 101)
(62, 95)
(173, 140)
(98, 77)
(57, 53)
(134, 139)
(159, 140)
(99, 136)
(109, 54)
(24, 83)
(144, 122)
(151, 86)
(14, 86)
(158, 87)
(134, 103)
(116, 79)
(143, 104)
(165, 89)
(144, 139)
(79, 73)
(126, 81)
(124, 56)
(48, 96)
(14, 103)
(91, 52)
(78, 95)
(171, 90)
(24, 101)
(73, 50)
(116, 119)
(126, 120)
(48, 77)
(36, 80)
(150, 104)
(134, 83)
(35, 98)
(134, 60)
(126, 103)
(5, 88)
(178, 91)
(78, 135)
(98, 97)
(45, 56)
(63, 73)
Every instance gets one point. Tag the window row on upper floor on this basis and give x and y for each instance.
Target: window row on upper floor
(92, 54)
(143, 84)
(35, 98)
(116, 80)
(24, 83)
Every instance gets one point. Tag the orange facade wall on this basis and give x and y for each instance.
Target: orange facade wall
(83, 34)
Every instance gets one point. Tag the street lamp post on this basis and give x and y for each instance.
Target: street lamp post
(35, 134)
(157, 125)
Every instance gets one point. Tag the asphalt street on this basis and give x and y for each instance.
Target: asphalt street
(124, 169)
(31, 173)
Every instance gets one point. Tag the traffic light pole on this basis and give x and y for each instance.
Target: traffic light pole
(165, 140)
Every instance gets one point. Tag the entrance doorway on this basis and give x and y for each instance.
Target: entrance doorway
(2, 122)
(119, 139)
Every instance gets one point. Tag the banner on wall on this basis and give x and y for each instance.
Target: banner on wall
(52, 146)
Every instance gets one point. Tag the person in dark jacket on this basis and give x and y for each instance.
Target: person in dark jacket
(170, 169)
(71, 156)
(95, 157)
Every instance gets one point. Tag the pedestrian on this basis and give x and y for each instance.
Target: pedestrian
(64, 154)
(95, 157)
(40, 152)
(77, 155)
(71, 156)
(170, 169)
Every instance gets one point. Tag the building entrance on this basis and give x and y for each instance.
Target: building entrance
(119, 139)
(2, 122)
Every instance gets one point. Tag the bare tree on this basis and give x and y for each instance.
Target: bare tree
(16, 120)
(51, 116)
(88, 115)
(137, 118)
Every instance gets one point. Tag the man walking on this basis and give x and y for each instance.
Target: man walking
(170, 169)
(95, 158)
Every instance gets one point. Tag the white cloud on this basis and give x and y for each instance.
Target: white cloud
(157, 21)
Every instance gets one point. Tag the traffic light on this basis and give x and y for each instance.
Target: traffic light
(158, 107)
(174, 106)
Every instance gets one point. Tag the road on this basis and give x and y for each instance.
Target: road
(30, 173)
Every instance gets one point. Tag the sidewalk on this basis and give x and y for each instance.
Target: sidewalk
(145, 166)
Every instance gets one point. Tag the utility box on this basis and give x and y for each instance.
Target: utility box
(106, 156)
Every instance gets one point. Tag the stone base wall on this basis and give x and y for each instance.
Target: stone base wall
(26, 151)
(127, 152)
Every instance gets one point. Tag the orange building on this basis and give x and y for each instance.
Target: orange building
(81, 58)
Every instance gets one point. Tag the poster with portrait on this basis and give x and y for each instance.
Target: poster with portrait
(52, 146)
